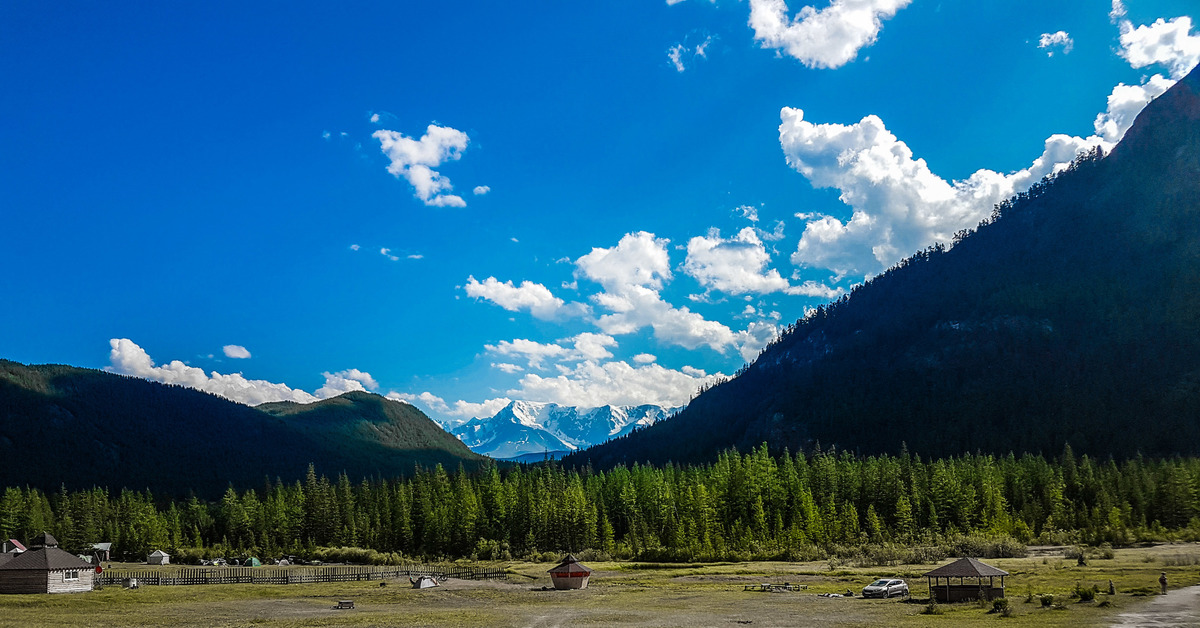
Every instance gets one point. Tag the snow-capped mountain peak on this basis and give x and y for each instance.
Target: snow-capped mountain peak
(524, 427)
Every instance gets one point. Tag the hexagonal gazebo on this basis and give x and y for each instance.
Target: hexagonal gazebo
(970, 586)
(569, 574)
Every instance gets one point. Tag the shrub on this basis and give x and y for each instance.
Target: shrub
(926, 555)
(1047, 600)
(1000, 604)
(1085, 594)
(1181, 560)
(932, 608)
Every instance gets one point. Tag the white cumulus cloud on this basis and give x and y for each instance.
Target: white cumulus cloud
(737, 265)
(899, 205)
(480, 190)
(618, 383)
(1059, 39)
(127, 358)
(632, 274)
(1167, 43)
(534, 297)
(533, 352)
(236, 352)
(454, 414)
(827, 38)
(415, 160)
(344, 382)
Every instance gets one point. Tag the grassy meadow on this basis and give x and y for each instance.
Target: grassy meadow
(634, 594)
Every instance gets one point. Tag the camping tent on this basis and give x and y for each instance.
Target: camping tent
(423, 582)
(253, 562)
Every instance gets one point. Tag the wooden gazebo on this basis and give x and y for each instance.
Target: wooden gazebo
(964, 580)
(569, 574)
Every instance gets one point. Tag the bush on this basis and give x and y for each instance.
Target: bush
(1181, 560)
(926, 555)
(1047, 600)
(486, 549)
(986, 546)
(354, 555)
(932, 608)
(1000, 604)
(1085, 594)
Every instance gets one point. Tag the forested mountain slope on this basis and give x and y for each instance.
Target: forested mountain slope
(82, 428)
(1073, 315)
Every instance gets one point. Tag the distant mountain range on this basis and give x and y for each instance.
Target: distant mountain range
(524, 428)
(82, 428)
(1072, 316)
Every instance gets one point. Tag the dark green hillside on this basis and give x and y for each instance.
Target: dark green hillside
(364, 417)
(1073, 315)
(80, 427)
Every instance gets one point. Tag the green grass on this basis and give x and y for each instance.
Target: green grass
(689, 595)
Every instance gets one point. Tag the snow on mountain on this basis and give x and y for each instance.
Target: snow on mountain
(524, 427)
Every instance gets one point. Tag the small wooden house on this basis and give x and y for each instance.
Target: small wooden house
(45, 569)
(963, 580)
(569, 574)
(158, 557)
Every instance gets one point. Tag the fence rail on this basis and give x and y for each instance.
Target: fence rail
(292, 575)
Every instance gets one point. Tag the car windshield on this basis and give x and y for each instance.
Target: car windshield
(880, 583)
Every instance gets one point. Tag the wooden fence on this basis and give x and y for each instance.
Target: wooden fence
(292, 575)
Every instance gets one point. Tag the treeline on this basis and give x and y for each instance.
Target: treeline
(742, 506)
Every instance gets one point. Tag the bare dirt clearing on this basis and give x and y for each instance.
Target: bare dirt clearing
(1177, 608)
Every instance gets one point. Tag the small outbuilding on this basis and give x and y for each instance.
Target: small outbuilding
(964, 579)
(102, 551)
(11, 546)
(158, 557)
(569, 574)
(45, 568)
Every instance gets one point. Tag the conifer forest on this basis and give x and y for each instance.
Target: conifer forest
(741, 506)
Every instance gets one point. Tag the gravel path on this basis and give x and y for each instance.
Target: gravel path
(1180, 607)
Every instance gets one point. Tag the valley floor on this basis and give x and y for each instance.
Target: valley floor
(640, 594)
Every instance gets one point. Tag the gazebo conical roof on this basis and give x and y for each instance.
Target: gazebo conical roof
(570, 564)
(966, 568)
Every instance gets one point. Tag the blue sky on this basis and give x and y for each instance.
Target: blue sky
(461, 204)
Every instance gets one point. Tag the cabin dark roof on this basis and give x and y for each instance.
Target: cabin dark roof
(5, 557)
(569, 564)
(966, 568)
(44, 559)
(44, 539)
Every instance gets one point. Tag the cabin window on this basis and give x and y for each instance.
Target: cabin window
(70, 575)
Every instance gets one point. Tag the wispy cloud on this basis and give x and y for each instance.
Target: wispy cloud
(1060, 40)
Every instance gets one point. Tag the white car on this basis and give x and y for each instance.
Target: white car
(886, 588)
